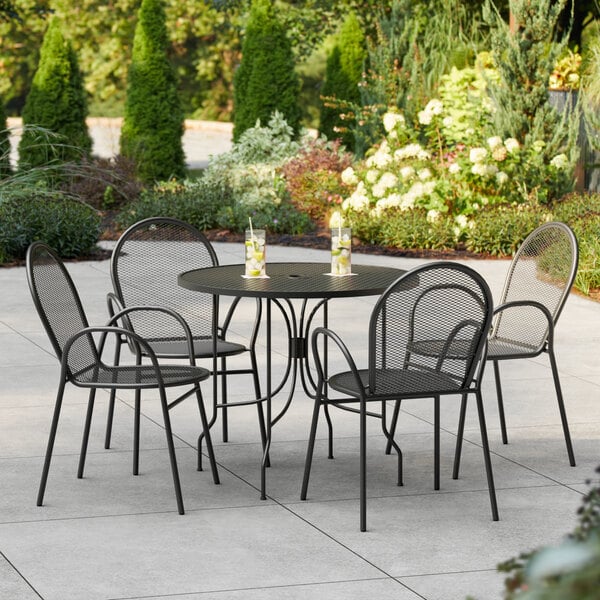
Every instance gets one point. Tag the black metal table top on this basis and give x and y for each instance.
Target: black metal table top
(290, 280)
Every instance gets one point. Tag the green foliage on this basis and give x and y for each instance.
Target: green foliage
(69, 226)
(153, 123)
(414, 45)
(525, 60)
(266, 80)
(195, 202)
(56, 102)
(5, 168)
(313, 178)
(342, 76)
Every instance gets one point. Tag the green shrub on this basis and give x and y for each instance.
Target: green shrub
(194, 202)
(275, 218)
(500, 230)
(266, 80)
(57, 103)
(570, 570)
(153, 122)
(68, 226)
(412, 229)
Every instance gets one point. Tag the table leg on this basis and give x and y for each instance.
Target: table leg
(268, 424)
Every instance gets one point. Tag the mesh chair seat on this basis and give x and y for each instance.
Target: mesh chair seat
(505, 348)
(139, 376)
(393, 383)
(203, 348)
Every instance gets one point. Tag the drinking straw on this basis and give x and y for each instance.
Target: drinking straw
(251, 231)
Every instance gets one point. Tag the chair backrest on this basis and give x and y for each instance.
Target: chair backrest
(542, 270)
(145, 264)
(59, 306)
(433, 320)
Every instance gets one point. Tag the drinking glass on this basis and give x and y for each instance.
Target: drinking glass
(341, 246)
(255, 253)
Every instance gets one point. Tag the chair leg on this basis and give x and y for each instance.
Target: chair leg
(171, 448)
(393, 424)
(329, 432)
(224, 422)
(561, 408)
(391, 442)
(86, 433)
(206, 430)
(436, 443)
(486, 456)
(459, 436)
(136, 433)
(50, 446)
(311, 445)
(500, 401)
(111, 402)
(363, 466)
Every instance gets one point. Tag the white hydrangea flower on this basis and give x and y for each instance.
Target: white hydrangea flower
(511, 145)
(406, 172)
(388, 180)
(447, 121)
(372, 175)
(454, 168)
(477, 155)
(461, 221)
(494, 142)
(425, 117)
(407, 202)
(408, 151)
(429, 187)
(501, 177)
(336, 220)
(435, 107)
(349, 176)
(433, 215)
(424, 174)
(560, 161)
(480, 169)
(394, 200)
(382, 158)
(378, 190)
(391, 120)
(423, 154)
(491, 170)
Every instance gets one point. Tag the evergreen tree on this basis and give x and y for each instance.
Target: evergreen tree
(266, 80)
(4, 144)
(57, 103)
(153, 123)
(342, 76)
(525, 59)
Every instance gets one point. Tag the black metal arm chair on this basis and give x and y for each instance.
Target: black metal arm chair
(80, 349)
(538, 283)
(145, 264)
(427, 337)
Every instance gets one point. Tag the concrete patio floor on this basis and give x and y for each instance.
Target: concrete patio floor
(115, 536)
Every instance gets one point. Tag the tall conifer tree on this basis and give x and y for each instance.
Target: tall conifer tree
(266, 80)
(342, 76)
(153, 124)
(56, 102)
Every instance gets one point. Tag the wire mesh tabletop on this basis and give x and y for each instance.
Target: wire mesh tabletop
(291, 280)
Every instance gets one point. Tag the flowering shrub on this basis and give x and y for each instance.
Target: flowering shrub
(313, 177)
(445, 163)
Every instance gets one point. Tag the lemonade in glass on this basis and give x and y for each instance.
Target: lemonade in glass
(255, 253)
(341, 244)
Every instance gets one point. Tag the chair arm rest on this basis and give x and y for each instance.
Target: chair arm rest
(119, 332)
(222, 329)
(328, 333)
(520, 303)
(125, 312)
